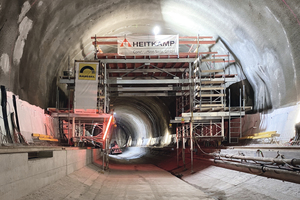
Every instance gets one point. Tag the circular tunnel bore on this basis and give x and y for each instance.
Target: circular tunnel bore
(139, 123)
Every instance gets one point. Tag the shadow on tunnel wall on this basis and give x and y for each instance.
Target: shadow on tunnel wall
(261, 99)
(236, 95)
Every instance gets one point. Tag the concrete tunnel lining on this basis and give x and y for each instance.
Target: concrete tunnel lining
(256, 28)
(41, 39)
(261, 36)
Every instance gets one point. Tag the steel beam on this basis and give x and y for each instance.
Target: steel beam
(144, 89)
(105, 89)
(66, 81)
(213, 114)
(180, 42)
(176, 60)
(155, 81)
(156, 94)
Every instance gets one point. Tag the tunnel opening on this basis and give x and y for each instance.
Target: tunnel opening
(236, 92)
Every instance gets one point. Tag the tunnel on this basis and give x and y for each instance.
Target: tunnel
(41, 42)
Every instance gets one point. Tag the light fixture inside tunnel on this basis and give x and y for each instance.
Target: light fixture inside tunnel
(156, 30)
(107, 127)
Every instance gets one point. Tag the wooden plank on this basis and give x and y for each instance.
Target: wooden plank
(212, 105)
(261, 135)
(42, 136)
(212, 82)
(217, 109)
(105, 37)
(211, 88)
(225, 61)
(106, 43)
(203, 109)
(35, 135)
(48, 139)
(46, 136)
(208, 76)
(212, 71)
(212, 95)
(221, 55)
(212, 60)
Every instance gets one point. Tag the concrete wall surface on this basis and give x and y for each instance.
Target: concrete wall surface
(20, 176)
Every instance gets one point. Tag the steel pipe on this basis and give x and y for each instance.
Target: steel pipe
(258, 167)
(293, 161)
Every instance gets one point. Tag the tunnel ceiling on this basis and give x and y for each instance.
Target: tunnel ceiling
(38, 38)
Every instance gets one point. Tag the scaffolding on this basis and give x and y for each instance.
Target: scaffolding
(198, 81)
(208, 108)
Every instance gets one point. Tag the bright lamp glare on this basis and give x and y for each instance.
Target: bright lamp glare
(107, 127)
(156, 30)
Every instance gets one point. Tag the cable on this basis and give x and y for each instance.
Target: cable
(259, 151)
(202, 150)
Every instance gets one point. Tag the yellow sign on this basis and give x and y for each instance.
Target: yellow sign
(87, 71)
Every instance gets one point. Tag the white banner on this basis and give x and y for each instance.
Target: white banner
(86, 87)
(148, 45)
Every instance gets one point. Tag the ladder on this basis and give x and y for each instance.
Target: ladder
(210, 88)
(235, 122)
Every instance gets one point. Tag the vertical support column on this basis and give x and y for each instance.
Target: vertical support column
(191, 90)
(177, 146)
(210, 127)
(96, 51)
(198, 46)
(183, 146)
(103, 147)
(191, 110)
(79, 125)
(244, 98)
(228, 63)
(69, 134)
(73, 126)
(224, 86)
(106, 155)
(222, 126)
(57, 98)
(229, 118)
(241, 113)
(192, 146)
(83, 129)
(105, 89)
(103, 159)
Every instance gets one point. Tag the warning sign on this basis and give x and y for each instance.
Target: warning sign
(87, 71)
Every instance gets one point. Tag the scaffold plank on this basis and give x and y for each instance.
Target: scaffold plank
(212, 60)
(212, 82)
(212, 95)
(156, 60)
(212, 71)
(180, 42)
(212, 105)
(211, 88)
(155, 81)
